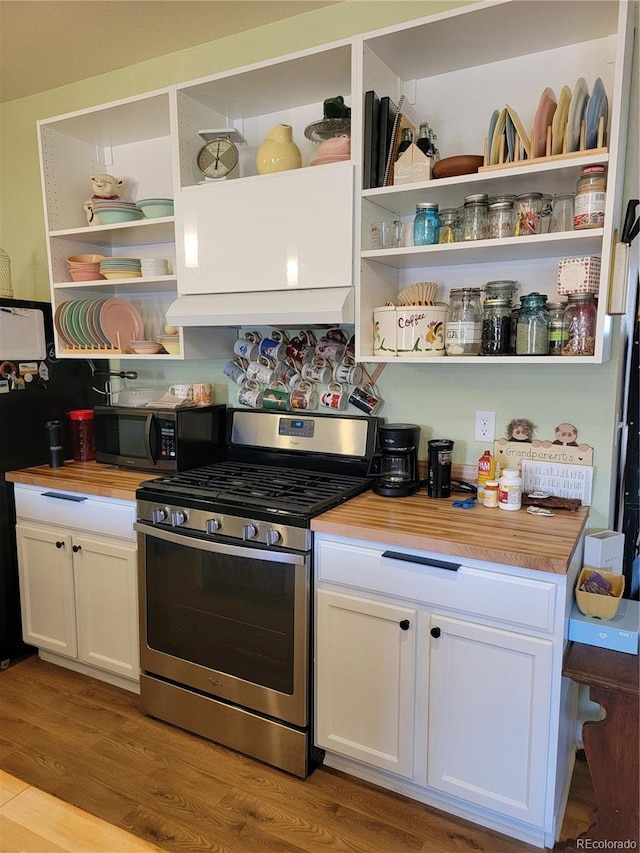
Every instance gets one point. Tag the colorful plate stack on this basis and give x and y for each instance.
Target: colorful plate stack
(113, 268)
(114, 211)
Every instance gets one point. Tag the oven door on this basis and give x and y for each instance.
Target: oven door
(230, 621)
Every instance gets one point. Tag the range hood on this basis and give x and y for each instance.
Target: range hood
(314, 307)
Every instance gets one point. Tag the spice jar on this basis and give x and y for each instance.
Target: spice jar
(448, 225)
(556, 334)
(475, 217)
(426, 225)
(83, 447)
(528, 214)
(579, 325)
(501, 221)
(463, 323)
(532, 331)
(496, 326)
(590, 198)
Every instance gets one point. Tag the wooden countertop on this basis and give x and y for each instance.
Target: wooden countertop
(518, 538)
(92, 478)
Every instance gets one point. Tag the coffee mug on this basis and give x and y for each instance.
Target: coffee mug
(235, 371)
(317, 370)
(184, 391)
(286, 373)
(202, 393)
(331, 349)
(250, 395)
(304, 396)
(348, 372)
(307, 337)
(299, 351)
(276, 398)
(246, 349)
(270, 348)
(253, 336)
(279, 335)
(365, 398)
(261, 371)
(334, 397)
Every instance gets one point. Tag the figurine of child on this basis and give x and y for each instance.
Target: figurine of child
(104, 187)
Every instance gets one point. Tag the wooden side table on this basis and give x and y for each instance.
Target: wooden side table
(611, 745)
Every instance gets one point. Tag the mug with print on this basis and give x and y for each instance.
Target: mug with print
(348, 372)
(334, 397)
(235, 371)
(261, 371)
(304, 396)
(286, 373)
(276, 398)
(250, 395)
(365, 398)
(246, 349)
(299, 351)
(270, 348)
(279, 335)
(202, 393)
(317, 370)
(183, 390)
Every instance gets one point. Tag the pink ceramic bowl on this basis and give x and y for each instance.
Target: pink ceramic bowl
(335, 145)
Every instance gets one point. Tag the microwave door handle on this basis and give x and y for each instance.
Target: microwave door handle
(149, 450)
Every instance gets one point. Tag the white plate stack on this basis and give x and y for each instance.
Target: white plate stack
(154, 267)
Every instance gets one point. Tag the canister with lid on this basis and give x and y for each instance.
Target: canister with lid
(556, 334)
(590, 198)
(448, 225)
(501, 218)
(579, 325)
(528, 214)
(496, 326)
(503, 288)
(532, 331)
(426, 225)
(463, 324)
(83, 447)
(475, 217)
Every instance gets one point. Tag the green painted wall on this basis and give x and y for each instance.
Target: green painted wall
(442, 400)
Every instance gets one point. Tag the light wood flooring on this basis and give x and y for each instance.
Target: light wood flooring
(70, 737)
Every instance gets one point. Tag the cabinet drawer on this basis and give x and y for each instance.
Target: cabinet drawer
(75, 510)
(520, 601)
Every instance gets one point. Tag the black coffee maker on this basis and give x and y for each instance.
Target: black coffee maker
(397, 461)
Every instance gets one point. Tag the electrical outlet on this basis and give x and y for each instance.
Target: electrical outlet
(485, 426)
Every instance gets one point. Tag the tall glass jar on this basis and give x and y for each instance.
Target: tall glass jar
(590, 198)
(579, 325)
(556, 334)
(426, 225)
(448, 225)
(532, 331)
(501, 219)
(496, 326)
(528, 214)
(475, 217)
(463, 326)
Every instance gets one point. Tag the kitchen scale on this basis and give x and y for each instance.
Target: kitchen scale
(218, 158)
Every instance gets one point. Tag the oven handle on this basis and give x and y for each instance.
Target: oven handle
(221, 547)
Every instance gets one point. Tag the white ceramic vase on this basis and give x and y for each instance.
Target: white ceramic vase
(278, 152)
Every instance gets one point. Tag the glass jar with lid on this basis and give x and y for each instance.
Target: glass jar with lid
(532, 331)
(501, 289)
(426, 225)
(448, 225)
(579, 325)
(528, 214)
(496, 326)
(501, 219)
(545, 213)
(475, 217)
(590, 198)
(463, 324)
(556, 334)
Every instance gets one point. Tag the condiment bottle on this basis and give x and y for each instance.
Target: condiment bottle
(579, 325)
(426, 225)
(510, 490)
(490, 497)
(532, 331)
(588, 209)
(486, 468)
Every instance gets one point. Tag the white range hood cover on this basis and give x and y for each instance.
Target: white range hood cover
(319, 306)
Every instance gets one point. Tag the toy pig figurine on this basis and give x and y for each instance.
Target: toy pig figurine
(105, 187)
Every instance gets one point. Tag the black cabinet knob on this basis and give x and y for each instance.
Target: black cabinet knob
(59, 544)
(435, 632)
(76, 548)
(405, 624)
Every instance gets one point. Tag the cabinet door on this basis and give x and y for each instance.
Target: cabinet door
(107, 605)
(488, 728)
(365, 680)
(46, 589)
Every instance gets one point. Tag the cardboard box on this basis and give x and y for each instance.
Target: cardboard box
(604, 550)
(579, 275)
(619, 633)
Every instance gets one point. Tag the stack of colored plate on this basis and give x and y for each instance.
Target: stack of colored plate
(120, 268)
(98, 323)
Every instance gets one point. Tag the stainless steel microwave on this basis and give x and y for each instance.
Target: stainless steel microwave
(159, 439)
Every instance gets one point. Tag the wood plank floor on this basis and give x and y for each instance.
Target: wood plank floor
(87, 744)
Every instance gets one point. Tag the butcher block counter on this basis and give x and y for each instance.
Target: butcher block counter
(543, 543)
(91, 478)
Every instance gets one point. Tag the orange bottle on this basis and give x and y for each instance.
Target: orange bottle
(486, 470)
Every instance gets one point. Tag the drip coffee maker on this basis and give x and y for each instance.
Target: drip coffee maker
(397, 461)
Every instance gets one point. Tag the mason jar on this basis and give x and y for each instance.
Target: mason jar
(532, 331)
(503, 288)
(463, 324)
(556, 333)
(579, 325)
(475, 217)
(448, 225)
(496, 326)
(528, 214)
(426, 225)
(501, 219)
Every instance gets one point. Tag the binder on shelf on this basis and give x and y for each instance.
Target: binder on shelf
(388, 111)
(405, 117)
(371, 137)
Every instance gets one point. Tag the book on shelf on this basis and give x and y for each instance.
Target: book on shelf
(371, 137)
(388, 110)
(405, 117)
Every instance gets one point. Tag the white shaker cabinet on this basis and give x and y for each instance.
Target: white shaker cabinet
(442, 679)
(78, 582)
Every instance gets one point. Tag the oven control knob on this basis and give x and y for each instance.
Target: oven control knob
(272, 536)
(178, 517)
(213, 525)
(249, 531)
(158, 516)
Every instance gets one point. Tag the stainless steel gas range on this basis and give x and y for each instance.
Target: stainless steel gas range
(226, 580)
